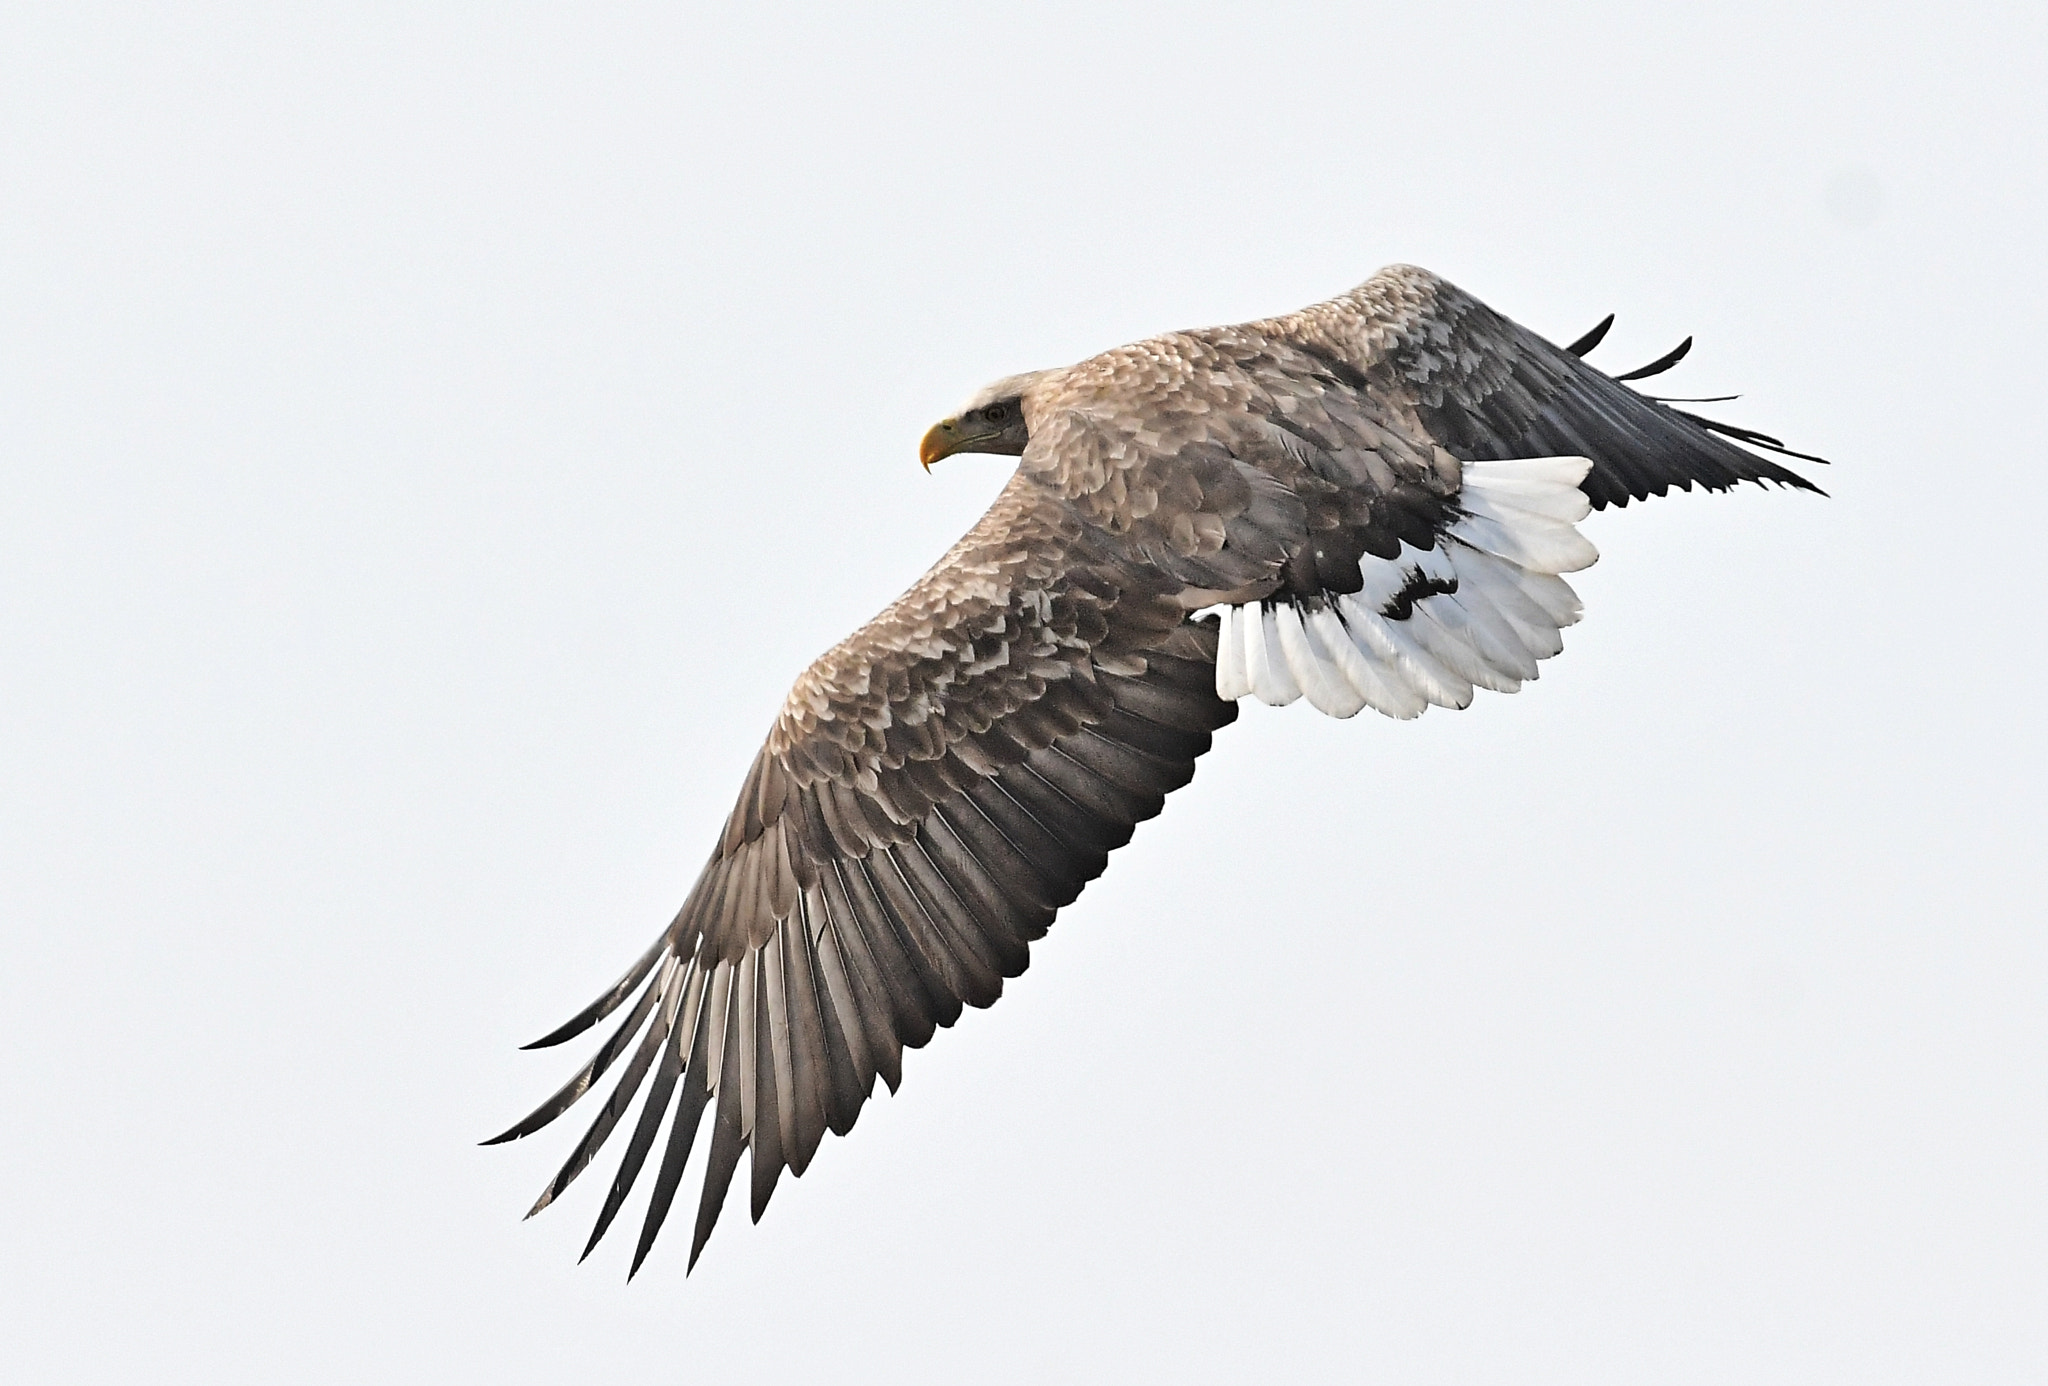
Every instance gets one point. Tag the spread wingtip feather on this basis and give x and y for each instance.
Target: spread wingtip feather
(1592, 338)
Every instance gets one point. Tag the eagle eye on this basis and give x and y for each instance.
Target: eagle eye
(995, 413)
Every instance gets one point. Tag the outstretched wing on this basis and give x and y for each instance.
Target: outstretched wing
(1412, 465)
(936, 787)
(1488, 389)
(1532, 438)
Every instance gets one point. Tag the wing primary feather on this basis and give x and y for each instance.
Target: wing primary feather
(878, 1008)
(1754, 439)
(651, 1045)
(746, 902)
(565, 1096)
(1073, 819)
(727, 1140)
(852, 1067)
(810, 1060)
(877, 878)
(1169, 745)
(968, 875)
(613, 998)
(775, 991)
(1660, 365)
(765, 1139)
(717, 999)
(1137, 801)
(705, 907)
(1194, 675)
(1592, 338)
(956, 915)
(1124, 767)
(961, 974)
(684, 1042)
(711, 1019)
(1117, 807)
(918, 1001)
(1059, 858)
(999, 856)
(1171, 706)
(1034, 853)
(745, 997)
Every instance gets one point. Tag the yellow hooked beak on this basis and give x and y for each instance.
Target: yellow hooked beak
(944, 438)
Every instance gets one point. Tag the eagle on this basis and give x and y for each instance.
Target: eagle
(1371, 502)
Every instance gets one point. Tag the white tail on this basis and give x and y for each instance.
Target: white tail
(1505, 611)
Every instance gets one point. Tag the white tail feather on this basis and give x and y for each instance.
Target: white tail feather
(1264, 663)
(1384, 640)
(1441, 626)
(1379, 683)
(1556, 597)
(1321, 679)
(1232, 682)
(1506, 609)
(1504, 588)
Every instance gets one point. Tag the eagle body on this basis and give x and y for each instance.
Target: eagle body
(1367, 503)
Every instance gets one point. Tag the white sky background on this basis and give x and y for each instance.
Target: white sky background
(430, 445)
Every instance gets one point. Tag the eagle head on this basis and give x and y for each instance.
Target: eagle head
(991, 421)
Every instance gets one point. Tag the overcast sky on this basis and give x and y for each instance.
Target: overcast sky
(431, 442)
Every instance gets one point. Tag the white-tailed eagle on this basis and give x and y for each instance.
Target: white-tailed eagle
(1368, 503)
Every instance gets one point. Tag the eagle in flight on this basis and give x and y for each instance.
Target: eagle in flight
(1367, 503)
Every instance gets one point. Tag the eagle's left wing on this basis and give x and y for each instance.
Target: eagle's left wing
(936, 788)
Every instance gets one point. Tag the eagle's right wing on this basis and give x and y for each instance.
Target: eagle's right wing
(1488, 389)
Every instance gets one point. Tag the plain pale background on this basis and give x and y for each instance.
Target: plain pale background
(431, 442)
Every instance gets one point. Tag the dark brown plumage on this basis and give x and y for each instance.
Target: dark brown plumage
(1341, 481)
